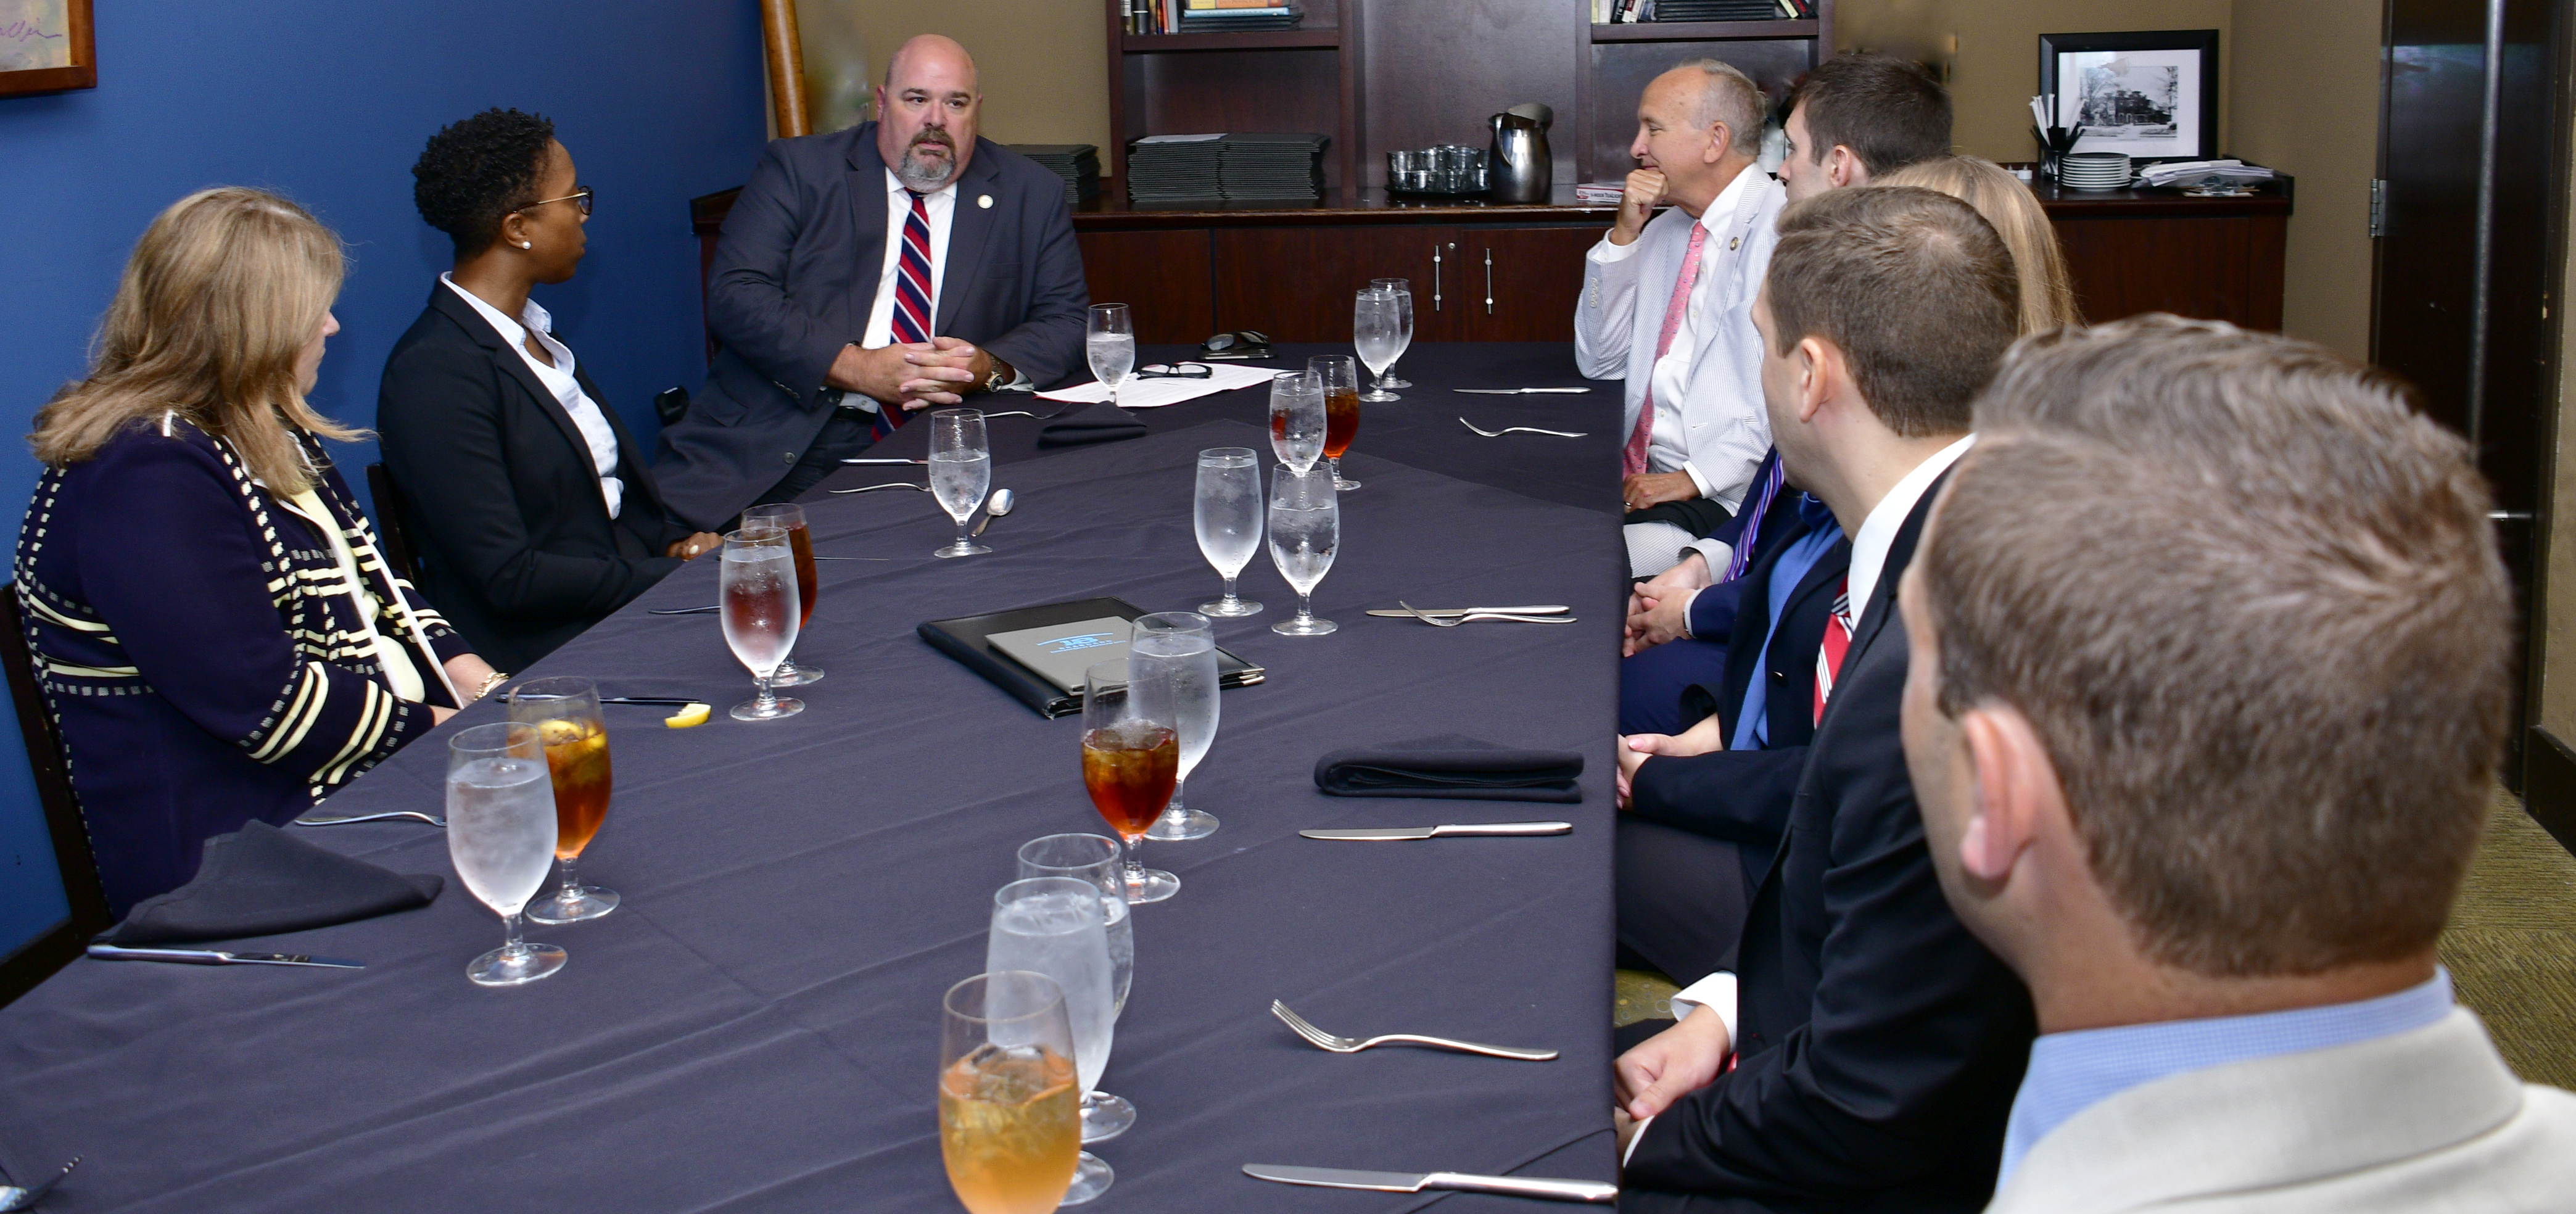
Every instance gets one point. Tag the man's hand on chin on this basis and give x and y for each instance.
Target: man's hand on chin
(1671, 1064)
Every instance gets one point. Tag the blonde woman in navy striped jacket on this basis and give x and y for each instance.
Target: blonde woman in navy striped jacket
(216, 632)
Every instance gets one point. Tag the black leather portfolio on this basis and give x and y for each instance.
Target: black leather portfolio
(964, 639)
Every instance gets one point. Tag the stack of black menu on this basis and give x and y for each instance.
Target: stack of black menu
(1716, 10)
(1077, 163)
(1174, 168)
(1277, 167)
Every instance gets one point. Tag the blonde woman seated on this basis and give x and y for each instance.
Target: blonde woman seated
(215, 631)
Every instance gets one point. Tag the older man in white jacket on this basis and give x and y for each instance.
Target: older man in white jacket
(2214, 806)
(1667, 305)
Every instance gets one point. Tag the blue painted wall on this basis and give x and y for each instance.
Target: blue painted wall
(329, 103)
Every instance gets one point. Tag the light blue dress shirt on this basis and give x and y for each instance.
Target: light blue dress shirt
(2071, 1072)
(1753, 721)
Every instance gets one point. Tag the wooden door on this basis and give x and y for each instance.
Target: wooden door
(1297, 283)
(1521, 284)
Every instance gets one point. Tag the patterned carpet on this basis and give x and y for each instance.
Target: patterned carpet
(2511, 948)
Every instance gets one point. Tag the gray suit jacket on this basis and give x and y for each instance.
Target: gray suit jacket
(1619, 320)
(796, 273)
(2427, 1120)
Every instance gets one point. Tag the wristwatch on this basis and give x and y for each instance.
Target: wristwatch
(1001, 375)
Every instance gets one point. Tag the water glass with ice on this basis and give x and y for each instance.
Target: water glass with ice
(501, 837)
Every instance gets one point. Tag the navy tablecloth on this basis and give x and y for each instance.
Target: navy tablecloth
(755, 1029)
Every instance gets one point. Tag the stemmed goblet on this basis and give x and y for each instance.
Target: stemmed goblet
(1297, 418)
(1131, 755)
(1177, 650)
(1009, 1126)
(1403, 289)
(961, 468)
(1109, 337)
(1341, 376)
(1377, 335)
(1226, 509)
(1058, 927)
(790, 517)
(501, 837)
(565, 711)
(760, 618)
(1305, 531)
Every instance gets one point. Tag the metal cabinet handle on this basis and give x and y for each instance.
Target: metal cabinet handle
(1489, 282)
(1435, 276)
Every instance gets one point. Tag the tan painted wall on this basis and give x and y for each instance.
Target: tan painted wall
(1043, 62)
(2556, 711)
(2304, 84)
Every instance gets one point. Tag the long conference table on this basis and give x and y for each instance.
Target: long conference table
(756, 1027)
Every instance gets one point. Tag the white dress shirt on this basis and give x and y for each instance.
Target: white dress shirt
(941, 208)
(1716, 992)
(558, 379)
(1667, 450)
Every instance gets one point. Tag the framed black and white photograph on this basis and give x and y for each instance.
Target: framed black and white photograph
(2151, 95)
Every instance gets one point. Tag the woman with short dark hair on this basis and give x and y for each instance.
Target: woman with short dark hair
(531, 509)
(216, 632)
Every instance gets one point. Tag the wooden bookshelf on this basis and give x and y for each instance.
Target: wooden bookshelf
(1705, 31)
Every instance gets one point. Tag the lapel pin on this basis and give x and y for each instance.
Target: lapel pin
(1733, 242)
(985, 201)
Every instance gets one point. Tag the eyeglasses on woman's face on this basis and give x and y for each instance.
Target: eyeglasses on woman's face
(580, 198)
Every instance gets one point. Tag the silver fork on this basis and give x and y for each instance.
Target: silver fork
(412, 815)
(874, 488)
(1516, 430)
(1454, 621)
(1352, 1045)
(1044, 417)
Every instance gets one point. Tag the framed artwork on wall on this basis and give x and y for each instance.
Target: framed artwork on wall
(45, 47)
(2152, 95)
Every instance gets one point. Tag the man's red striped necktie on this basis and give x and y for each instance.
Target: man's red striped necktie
(1829, 656)
(911, 300)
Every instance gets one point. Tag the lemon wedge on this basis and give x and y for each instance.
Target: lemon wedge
(694, 714)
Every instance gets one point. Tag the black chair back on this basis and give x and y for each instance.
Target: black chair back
(36, 960)
(389, 523)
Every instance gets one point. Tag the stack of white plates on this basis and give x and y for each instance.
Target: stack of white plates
(2093, 171)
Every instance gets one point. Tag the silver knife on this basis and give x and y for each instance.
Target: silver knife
(1415, 1182)
(1515, 391)
(885, 461)
(1381, 833)
(1556, 609)
(201, 956)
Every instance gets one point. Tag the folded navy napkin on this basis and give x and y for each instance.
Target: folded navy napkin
(1101, 423)
(261, 881)
(1451, 767)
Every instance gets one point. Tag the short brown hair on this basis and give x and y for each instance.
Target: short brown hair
(1914, 288)
(1890, 113)
(2047, 293)
(2253, 607)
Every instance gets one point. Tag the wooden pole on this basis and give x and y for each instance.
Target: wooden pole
(786, 67)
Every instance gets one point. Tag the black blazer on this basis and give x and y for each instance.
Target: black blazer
(795, 275)
(1743, 796)
(1881, 1043)
(503, 503)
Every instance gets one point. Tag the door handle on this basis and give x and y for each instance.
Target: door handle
(1435, 276)
(1489, 282)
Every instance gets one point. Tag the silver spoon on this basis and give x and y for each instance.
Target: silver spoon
(996, 508)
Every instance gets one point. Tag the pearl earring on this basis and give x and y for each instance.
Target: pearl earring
(527, 244)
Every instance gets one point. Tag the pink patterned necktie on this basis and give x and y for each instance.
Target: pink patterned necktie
(1632, 458)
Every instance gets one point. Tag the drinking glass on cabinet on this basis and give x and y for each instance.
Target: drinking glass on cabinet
(1305, 531)
(565, 711)
(1131, 754)
(758, 583)
(1009, 1130)
(1341, 376)
(1056, 926)
(961, 469)
(1403, 289)
(501, 837)
(1176, 652)
(1226, 510)
(1297, 418)
(790, 517)
(1109, 337)
(1375, 333)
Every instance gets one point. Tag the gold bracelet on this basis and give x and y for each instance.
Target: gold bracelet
(497, 678)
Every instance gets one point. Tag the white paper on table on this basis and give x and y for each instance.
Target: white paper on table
(1156, 393)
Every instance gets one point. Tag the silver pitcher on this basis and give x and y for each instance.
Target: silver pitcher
(1521, 170)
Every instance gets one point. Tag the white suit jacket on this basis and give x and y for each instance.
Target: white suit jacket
(2429, 1120)
(1620, 317)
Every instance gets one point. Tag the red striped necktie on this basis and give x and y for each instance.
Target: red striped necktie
(1829, 656)
(911, 299)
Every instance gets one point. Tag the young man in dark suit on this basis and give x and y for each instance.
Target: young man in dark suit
(868, 274)
(1864, 1055)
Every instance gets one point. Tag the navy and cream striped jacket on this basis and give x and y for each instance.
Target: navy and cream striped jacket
(200, 650)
